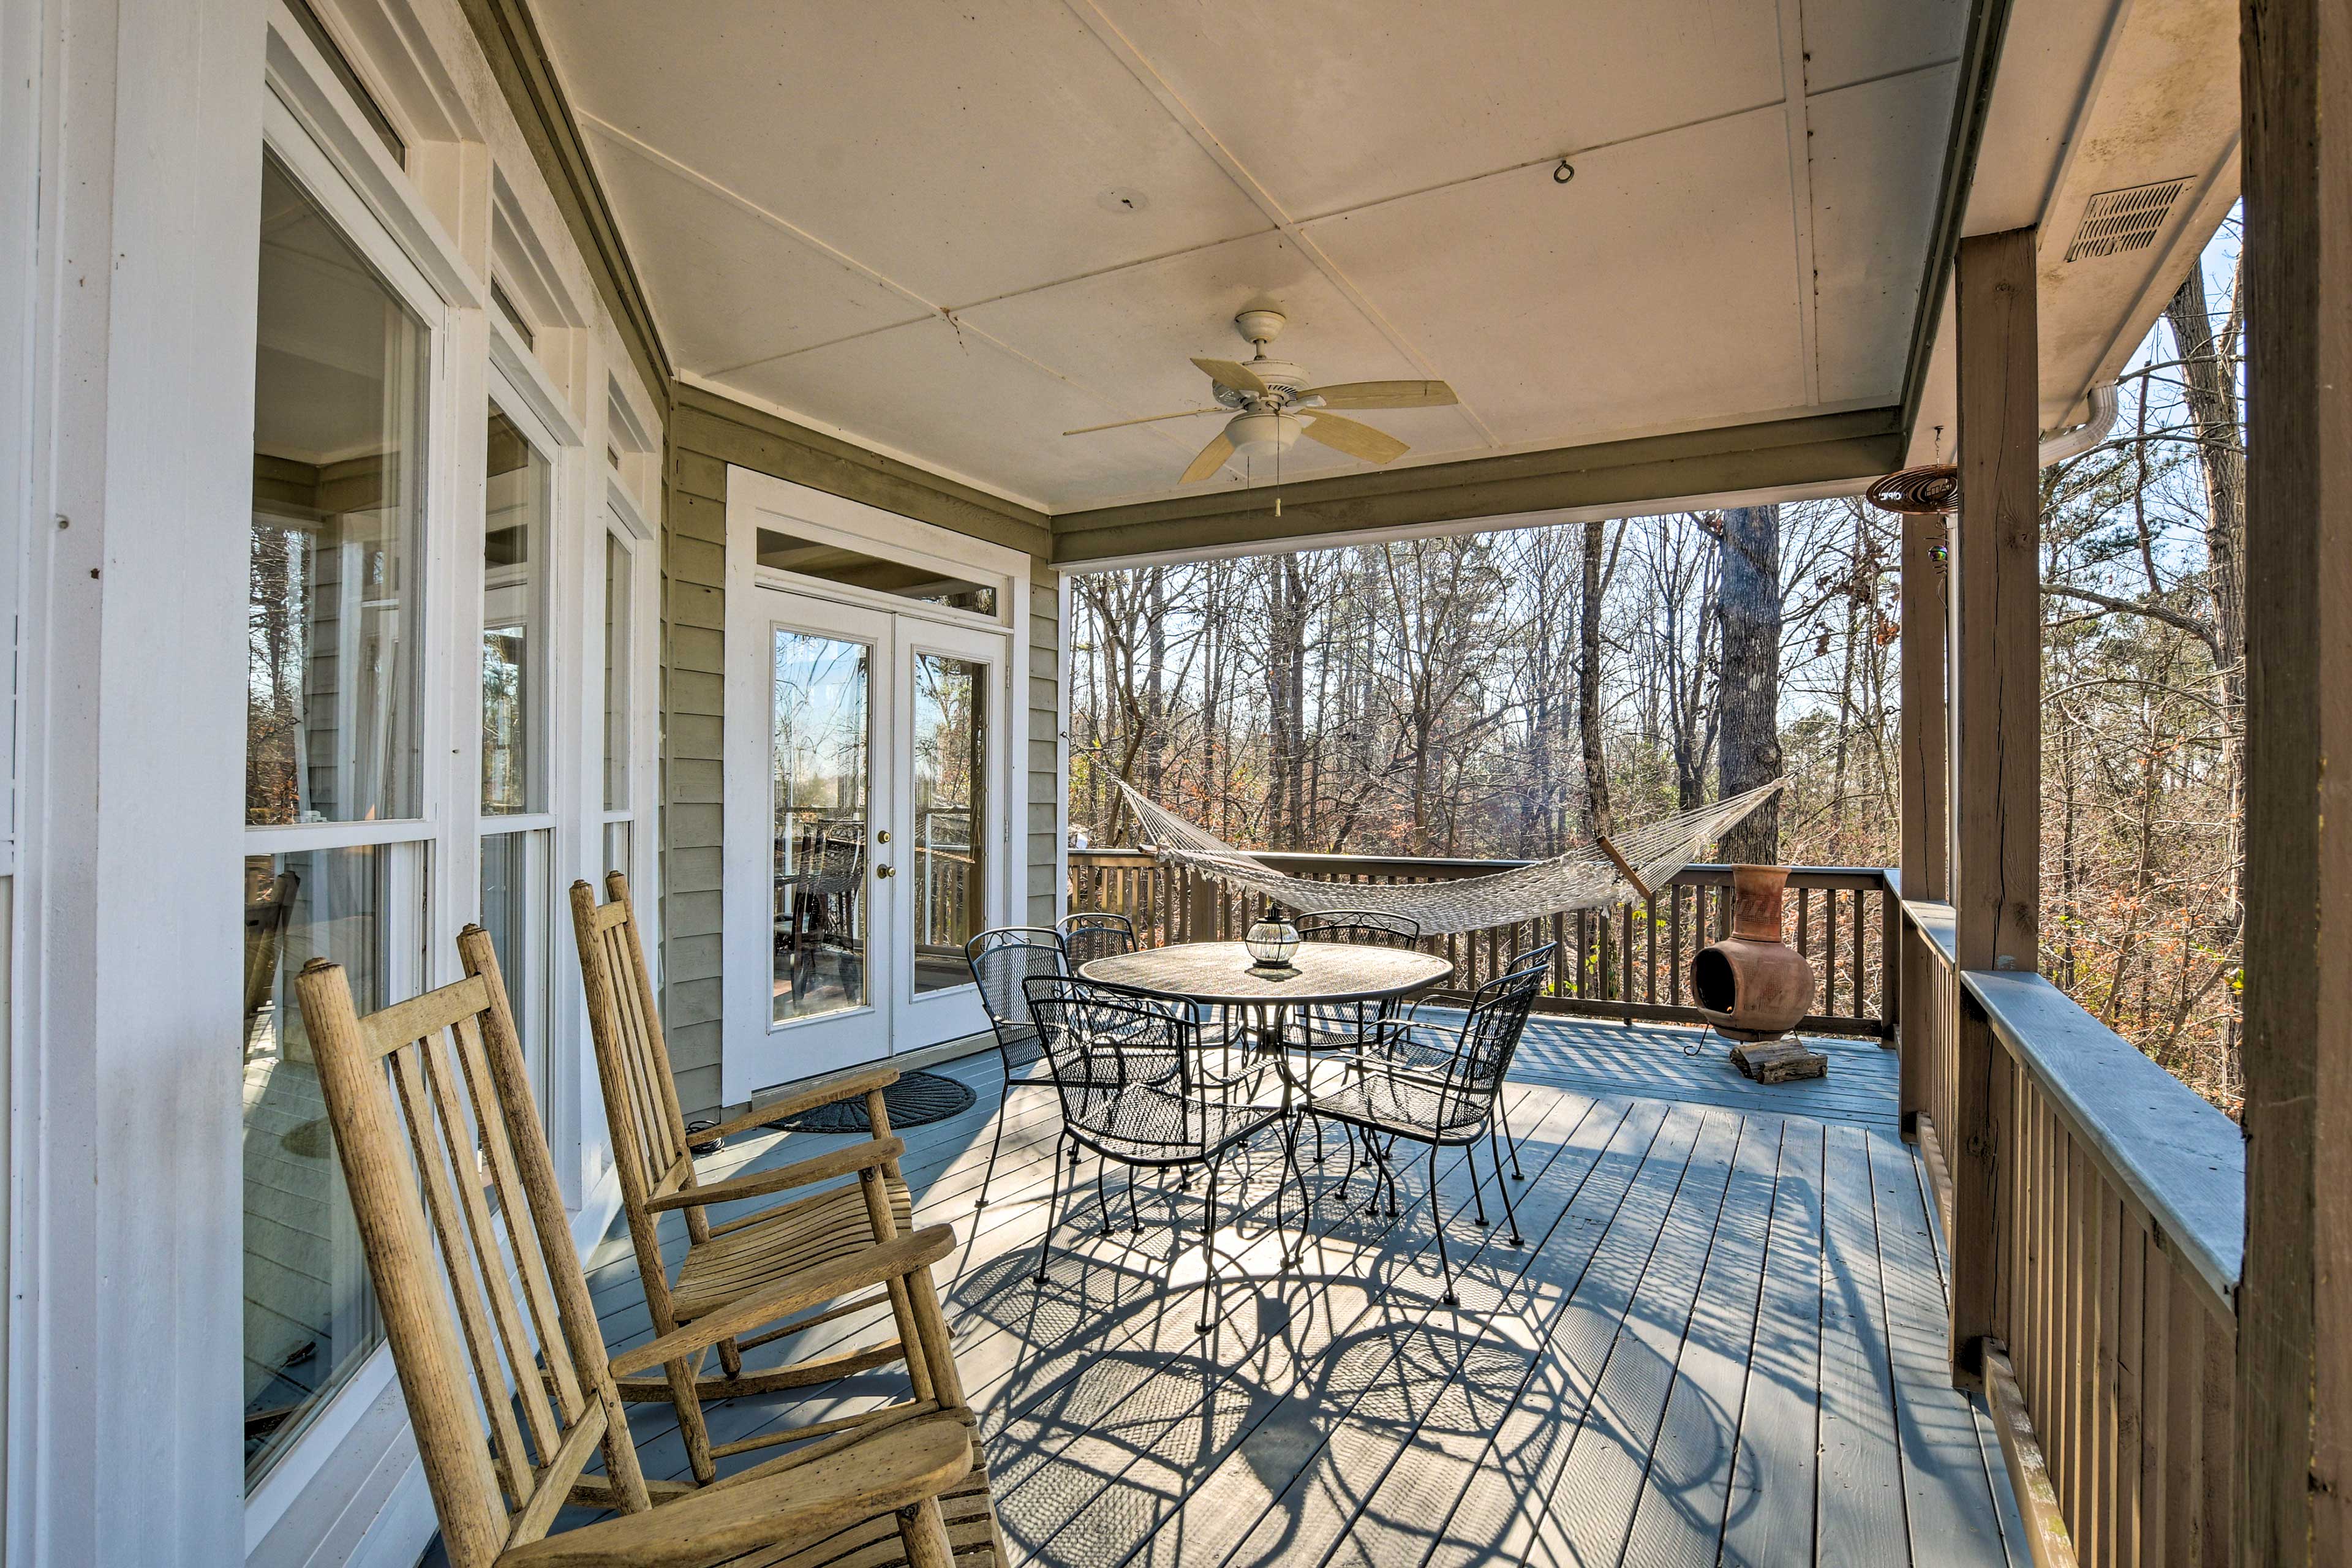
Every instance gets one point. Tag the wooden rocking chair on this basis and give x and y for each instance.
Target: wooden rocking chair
(430, 1101)
(819, 1239)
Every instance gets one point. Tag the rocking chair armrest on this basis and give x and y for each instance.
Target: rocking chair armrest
(896, 1467)
(800, 1173)
(822, 1091)
(825, 1282)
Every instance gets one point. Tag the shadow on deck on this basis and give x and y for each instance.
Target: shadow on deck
(1722, 1342)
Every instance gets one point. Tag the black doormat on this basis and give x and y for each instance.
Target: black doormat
(915, 1099)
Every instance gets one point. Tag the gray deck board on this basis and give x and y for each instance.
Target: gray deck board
(1861, 1502)
(1721, 1342)
(1769, 1516)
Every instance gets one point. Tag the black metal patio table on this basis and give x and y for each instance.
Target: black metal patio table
(1218, 975)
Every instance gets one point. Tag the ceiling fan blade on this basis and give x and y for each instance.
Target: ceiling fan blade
(1384, 394)
(1225, 372)
(1356, 440)
(1212, 458)
(1147, 419)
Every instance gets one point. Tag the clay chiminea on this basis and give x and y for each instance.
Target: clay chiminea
(1752, 985)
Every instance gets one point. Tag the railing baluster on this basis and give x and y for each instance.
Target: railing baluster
(1650, 948)
(1830, 950)
(1857, 993)
(1674, 902)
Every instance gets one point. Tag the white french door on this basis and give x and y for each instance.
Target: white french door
(865, 824)
(949, 763)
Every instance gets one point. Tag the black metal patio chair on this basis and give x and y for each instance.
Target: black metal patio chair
(1137, 1087)
(1094, 934)
(1349, 1026)
(1001, 960)
(1428, 1048)
(1441, 1105)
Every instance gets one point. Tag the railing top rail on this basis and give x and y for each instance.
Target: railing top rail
(1939, 923)
(2181, 1160)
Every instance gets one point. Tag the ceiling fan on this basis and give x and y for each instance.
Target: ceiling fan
(1276, 407)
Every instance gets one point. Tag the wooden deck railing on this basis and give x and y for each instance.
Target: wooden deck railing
(2115, 1234)
(1632, 963)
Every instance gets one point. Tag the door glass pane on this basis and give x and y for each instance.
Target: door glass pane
(511, 912)
(333, 611)
(819, 764)
(514, 575)
(309, 1315)
(951, 809)
(618, 621)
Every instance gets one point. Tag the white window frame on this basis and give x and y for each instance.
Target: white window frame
(626, 522)
(325, 179)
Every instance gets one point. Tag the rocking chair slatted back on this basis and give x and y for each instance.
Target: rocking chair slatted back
(431, 1107)
(649, 1137)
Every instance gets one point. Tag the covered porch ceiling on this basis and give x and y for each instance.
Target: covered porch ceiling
(949, 234)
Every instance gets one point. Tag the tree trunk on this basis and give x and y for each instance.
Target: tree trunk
(2210, 385)
(1155, 673)
(1748, 601)
(1588, 683)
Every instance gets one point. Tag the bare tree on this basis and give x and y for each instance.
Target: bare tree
(1748, 602)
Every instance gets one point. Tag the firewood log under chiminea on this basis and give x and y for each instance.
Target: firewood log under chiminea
(1752, 985)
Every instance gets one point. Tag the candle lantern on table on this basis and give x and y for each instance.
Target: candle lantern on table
(1271, 942)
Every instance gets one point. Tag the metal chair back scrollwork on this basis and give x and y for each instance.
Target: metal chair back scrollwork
(1371, 928)
(1095, 934)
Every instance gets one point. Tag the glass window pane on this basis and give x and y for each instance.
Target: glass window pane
(338, 495)
(514, 587)
(835, 563)
(618, 623)
(309, 1315)
(951, 811)
(513, 906)
(819, 765)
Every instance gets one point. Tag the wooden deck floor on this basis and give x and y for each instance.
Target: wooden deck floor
(1722, 1341)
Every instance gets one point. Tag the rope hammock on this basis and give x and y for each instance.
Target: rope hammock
(1601, 876)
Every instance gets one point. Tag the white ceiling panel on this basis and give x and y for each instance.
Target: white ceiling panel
(742, 288)
(1849, 41)
(1877, 159)
(961, 403)
(805, 185)
(1656, 287)
(1333, 103)
(964, 152)
(1131, 334)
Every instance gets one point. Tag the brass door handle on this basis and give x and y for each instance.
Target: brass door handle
(886, 871)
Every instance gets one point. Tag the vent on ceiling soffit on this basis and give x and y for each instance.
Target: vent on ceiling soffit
(2129, 220)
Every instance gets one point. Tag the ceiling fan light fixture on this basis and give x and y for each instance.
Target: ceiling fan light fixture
(1261, 434)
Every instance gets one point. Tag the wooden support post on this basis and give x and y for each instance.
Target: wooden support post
(2294, 1306)
(1200, 906)
(1997, 723)
(1927, 808)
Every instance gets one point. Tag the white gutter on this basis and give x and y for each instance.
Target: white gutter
(2083, 437)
